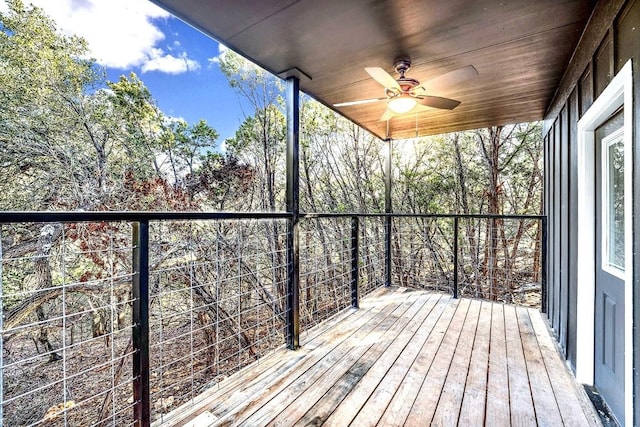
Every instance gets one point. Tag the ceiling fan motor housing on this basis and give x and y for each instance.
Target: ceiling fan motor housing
(401, 66)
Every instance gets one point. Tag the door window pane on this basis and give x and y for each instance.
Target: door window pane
(614, 201)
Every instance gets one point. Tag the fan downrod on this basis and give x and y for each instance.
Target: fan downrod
(402, 65)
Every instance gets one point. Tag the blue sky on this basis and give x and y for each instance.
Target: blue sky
(176, 62)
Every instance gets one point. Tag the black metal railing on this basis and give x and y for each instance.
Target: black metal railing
(340, 261)
(494, 257)
(120, 317)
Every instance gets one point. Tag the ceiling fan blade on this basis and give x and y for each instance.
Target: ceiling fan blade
(382, 77)
(446, 80)
(421, 108)
(437, 102)
(389, 114)
(361, 101)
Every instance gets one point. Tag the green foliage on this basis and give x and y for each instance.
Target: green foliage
(43, 79)
(259, 142)
(462, 172)
(39, 63)
(424, 181)
(258, 86)
(69, 139)
(341, 164)
(67, 144)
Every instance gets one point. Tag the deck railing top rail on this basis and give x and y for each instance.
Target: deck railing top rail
(87, 216)
(212, 286)
(82, 216)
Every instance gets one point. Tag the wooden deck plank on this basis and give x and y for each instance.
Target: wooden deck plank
(448, 409)
(323, 377)
(498, 379)
(400, 405)
(473, 402)
(358, 396)
(416, 358)
(253, 378)
(563, 386)
(353, 373)
(424, 406)
(544, 402)
(279, 362)
(287, 387)
(520, 400)
(377, 403)
(372, 302)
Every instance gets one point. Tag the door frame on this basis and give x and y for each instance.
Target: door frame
(619, 93)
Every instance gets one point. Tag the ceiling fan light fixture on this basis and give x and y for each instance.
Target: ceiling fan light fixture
(402, 104)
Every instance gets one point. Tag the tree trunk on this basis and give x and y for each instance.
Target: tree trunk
(491, 150)
(42, 267)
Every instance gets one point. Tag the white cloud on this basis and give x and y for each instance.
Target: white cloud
(170, 64)
(121, 33)
(222, 51)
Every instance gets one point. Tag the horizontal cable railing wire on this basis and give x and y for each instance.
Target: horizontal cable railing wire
(500, 259)
(110, 318)
(494, 257)
(325, 269)
(217, 303)
(422, 249)
(66, 335)
(327, 265)
(371, 259)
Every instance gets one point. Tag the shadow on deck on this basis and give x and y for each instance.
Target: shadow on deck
(405, 358)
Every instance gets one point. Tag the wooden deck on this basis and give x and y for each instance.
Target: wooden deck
(406, 358)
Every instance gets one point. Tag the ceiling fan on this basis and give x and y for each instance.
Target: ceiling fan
(409, 95)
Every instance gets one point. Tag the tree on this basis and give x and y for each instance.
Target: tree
(501, 148)
(140, 124)
(486, 171)
(42, 92)
(260, 141)
(185, 146)
(340, 163)
(70, 140)
(223, 182)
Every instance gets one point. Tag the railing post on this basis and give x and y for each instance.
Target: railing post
(455, 256)
(293, 207)
(388, 208)
(355, 257)
(140, 339)
(543, 265)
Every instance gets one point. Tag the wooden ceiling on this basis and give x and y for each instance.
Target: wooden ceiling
(519, 47)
